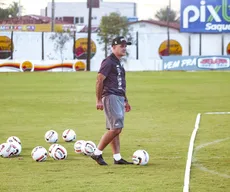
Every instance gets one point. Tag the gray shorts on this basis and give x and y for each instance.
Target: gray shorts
(114, 111)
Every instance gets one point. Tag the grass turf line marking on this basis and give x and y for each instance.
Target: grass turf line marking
(190, 149)
(203, 168)
(217, 113)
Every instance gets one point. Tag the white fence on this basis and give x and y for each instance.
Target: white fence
(39, 50)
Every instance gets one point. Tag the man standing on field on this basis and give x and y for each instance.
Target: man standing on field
(111, 96)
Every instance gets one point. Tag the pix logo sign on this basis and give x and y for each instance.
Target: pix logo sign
(205, 16)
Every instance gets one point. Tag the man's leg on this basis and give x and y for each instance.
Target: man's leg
(115, 145)
(114, 111)
(109, 137)
(105, 140)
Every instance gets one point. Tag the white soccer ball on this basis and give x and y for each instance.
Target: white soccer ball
(88, 147)
(51, 148)
(59, 153)
(17, 148)
(77, 146)
(51, 136)
(6, 150)
(13, 139)
(39, 154)
(69, 135)
(140, 157)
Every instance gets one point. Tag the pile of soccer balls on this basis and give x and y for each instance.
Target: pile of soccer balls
(55, 151)
(59, 152)
(13, 147)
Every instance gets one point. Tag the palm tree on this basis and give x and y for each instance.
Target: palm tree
(14, 9)
(162, 15)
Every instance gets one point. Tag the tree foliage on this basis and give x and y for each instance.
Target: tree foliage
(60, 40)
(4, 14)
(163, 15)
(112, 26)
(12, 10)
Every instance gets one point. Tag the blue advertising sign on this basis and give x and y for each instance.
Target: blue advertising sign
(132, 19)
(196, 63)
(200, 16)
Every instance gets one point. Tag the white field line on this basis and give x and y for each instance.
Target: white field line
(203, 168)
(190, 152)
(217, 113)
(210, 143)
(190, 149)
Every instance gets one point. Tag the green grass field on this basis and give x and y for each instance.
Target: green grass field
(164, 109)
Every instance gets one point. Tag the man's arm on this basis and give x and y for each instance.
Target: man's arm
(127, 106)
(99, 89)
(126, 99)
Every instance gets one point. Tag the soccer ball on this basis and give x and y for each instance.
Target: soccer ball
(51, 136)
(6, 150)
(69, 135)
(77, 146)
(88, 147)
(140, 157)
(59, 153)
(13, 139)
(16, 147)
(39, 154)
(51, 148)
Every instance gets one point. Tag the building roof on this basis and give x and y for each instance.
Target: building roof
(173, 25)
(31, 19)
(153, 22)
(85, 29)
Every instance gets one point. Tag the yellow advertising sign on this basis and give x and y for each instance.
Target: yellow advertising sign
(5, 47)
(81, 45)
(79, 66)
(174, 48)
(228, 49)
(33, 27)
(27, 66)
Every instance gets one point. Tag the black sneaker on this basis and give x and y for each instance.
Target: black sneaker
(122, 162)
(99, 159)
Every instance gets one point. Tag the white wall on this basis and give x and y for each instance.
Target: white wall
(195, 44)
(144, 27)
(151, 36)
(79, 9)
(43, 12)
(51, 65)
(51, 54)
(28, 46)
(211, 44)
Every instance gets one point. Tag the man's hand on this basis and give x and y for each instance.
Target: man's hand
(127, 107)
(99, 105)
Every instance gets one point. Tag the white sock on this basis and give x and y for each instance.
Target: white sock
(117, 156)
(97, 152)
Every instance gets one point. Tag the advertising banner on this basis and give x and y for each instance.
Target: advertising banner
(196, 63)
(210, 16)
(37, 66)
(36, 27)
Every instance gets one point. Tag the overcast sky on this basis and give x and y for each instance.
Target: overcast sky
(145, 8)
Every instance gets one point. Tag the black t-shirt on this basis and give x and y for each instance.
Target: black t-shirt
(114, 72)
